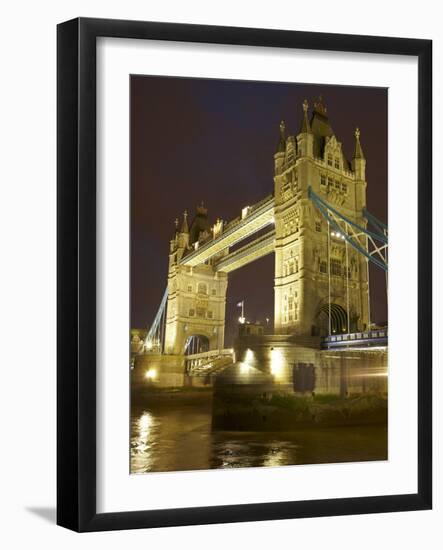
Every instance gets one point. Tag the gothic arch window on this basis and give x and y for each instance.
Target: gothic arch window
(202, 288)
(337, 162)
(336, 267)
(329, 159)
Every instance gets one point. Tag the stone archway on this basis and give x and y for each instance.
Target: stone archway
(338, 323)
(196, 343)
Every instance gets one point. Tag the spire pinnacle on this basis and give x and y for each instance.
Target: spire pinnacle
(282, 141)
(282, 128)
(175, 228)
(358, 151)
(305, 127)
(185, 228)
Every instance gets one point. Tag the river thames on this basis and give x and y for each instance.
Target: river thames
(176, 435)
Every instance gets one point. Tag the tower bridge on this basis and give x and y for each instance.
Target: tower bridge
(315, 223)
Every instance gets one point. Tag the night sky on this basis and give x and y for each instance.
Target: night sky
(195, 140)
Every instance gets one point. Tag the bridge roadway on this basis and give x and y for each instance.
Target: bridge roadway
(215, 360)
(255, 218)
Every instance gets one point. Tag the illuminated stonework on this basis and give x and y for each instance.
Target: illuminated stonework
(321, 282)
(196, 295)
(304, 278)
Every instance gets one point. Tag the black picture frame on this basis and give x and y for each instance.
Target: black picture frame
(76, 266)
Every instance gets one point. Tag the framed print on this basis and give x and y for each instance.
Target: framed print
(244, 274)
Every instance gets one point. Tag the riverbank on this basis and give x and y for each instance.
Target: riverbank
(242, 411)
(283, 412)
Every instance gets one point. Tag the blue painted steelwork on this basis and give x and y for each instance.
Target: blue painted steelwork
(375, 221)
(158, 317)
(381, 236)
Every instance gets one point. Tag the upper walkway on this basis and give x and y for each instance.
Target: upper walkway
(253, 219)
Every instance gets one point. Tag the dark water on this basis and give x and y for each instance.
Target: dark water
(177, 436)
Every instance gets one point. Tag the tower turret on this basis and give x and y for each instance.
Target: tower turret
(184, 227)
(305, 139)
(358, 160)
(173, 241)
(279, 156)
(183, 235)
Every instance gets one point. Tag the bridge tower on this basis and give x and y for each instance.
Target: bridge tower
(321, 283)
(196, 295)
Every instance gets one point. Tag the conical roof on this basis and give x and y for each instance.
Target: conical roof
(358, 151)
(199, 224)
(320, 126)
(281, 147)
(305, 126)
(184, 227)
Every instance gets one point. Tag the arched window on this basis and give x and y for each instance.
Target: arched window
(202, 288)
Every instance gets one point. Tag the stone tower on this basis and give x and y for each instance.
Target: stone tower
(321, 282)
(196, 295)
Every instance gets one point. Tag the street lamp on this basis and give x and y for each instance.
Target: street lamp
(242, 318)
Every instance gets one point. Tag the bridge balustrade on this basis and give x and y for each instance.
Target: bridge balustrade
(366, 338)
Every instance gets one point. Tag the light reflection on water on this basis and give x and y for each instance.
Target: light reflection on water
(178, 438)
(143, 440)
